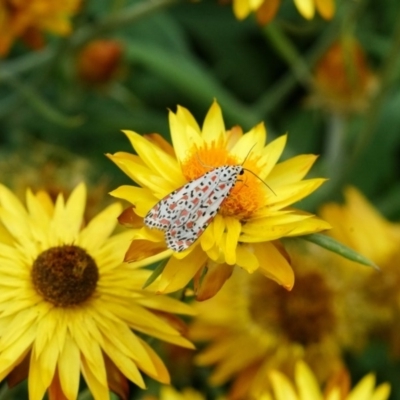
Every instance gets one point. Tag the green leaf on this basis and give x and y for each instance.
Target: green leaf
(336, 247)
(156, 273)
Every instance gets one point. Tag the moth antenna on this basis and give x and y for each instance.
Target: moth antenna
(248, 154)
(265, 183)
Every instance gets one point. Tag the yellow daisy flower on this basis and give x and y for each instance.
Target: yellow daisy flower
(252, 325)
(359, 225)
(29, 19)
(68, 305)
(307, 387)
(250, 220)
(267, 9)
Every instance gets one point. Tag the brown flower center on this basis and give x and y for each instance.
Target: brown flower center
(305, 315)
(65, 276)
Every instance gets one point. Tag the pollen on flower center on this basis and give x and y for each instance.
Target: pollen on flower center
(247, 196)
(65, 275)
(305, 314)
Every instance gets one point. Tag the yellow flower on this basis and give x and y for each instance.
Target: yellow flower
(29, 19)
(267, 9)
(343, 81)
(252, 325)
(251, 219)
(307, 387)
(68, 305)
(359, 225)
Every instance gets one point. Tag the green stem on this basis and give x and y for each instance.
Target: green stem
(289, 53)
(389, 73)
(119, 19)
(336, 150)
(278, 92)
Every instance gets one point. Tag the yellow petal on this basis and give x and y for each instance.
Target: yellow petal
(125, 364)
(233, 228)
(289, 194)
(185, 133)
(99, 228)
(307, 383)
(306, 8)
(99, 390)
(282, 387)
(254, 140)
(326, 8)
(69, 368)
(160, 162)
(310, 225)
(141, 198)
(213, 126)
(241, 8)
(382, 392)
(36, 386)
(273, 264)
(74, 209)
(292, 170)
(47, 361)
(363, 389)
(178, 273)
(246, 258)
(270, 156)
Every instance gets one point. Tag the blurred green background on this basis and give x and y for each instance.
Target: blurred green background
(188, 53)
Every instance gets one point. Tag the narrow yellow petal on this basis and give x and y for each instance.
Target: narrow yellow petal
(47, 361)
(184, 132)
(254, 140)
(99, 228)
(125, 364)
(310, 225)
(142, 199)
(364, 389)
(270, 156)
(307, 384)
(36, 386)
(306, 8)
(273, 264)
(69, 368)
(167, 304)
(99, 389)
(282, 387)
(74, 208)
(90, 350)
(241, 8)
(289, 194)
(246, 259)
(9, 200)
(382, 392)
(233, 228)
(178, 273)
(160, 162)
(292, 170)
(326, 8)
(213, 126)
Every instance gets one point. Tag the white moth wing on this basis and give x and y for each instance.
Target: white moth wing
(194, 219)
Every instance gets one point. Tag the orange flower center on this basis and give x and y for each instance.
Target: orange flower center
(249, 192)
